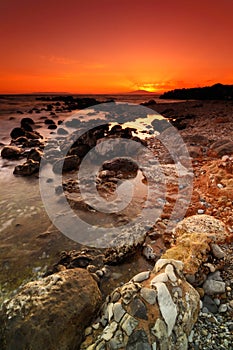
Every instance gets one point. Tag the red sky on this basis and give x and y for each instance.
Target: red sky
(107, 46)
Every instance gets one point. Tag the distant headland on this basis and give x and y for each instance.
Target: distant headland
(214, 92)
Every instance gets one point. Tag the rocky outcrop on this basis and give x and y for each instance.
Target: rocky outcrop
(50, 313)
(193, 237)
(154, 310)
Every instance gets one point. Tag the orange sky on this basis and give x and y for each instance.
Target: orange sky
(107, 46)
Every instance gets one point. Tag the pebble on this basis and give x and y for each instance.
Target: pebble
(217, 251)
(142, 276)
(200, 211)
(222, 308)
(214, 287)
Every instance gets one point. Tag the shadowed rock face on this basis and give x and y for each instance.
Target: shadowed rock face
(50, 313)
(154, 310)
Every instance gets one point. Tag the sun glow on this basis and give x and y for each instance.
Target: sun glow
(149, 87)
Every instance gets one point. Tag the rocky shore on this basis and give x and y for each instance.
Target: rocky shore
(182, 296)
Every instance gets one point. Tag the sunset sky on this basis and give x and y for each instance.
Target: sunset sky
(111, 46)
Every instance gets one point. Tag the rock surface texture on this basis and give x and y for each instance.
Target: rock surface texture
(50, 313)
(154, 310)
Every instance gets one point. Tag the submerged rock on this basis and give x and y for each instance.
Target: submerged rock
(50, 313)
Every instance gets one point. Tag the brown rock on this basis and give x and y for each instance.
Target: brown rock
(193, 237)
(11, 152)
(50, 313)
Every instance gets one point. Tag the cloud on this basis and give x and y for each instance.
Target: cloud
(60, 60)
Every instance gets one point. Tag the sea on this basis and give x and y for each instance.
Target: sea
(29, 243)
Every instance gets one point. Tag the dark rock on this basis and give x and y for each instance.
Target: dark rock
(11, 152)
(26, 127)
(28, 168)
(123, 165)
(33, 135)
(52, 126)
(149, 103)
(35, 154)
(138, 341)
(160, 124)
(49, 121)
(29, 121)
(50, 313)
(210, 304)
(17, 132)
(80, 150)
(138, 309)
(62, 131)
(22, 140)
(70, 163)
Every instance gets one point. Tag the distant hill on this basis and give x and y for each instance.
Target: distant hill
(141, 92)
(215, 92)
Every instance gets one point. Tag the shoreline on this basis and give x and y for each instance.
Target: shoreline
(201, 124)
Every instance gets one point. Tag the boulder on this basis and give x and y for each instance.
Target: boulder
(193, 238)
(17, 132)
(28, 168)
(122, 165)
(11, 152)
(148, 312)
(35, 154)
(50, 313)
(68, 164)
(26, 120)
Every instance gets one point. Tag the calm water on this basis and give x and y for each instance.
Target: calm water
(29, 243)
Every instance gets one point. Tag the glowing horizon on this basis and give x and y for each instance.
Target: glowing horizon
(110, 46)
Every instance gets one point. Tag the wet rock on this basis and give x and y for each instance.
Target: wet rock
(11, 152)
(26, 120)
(62, 131)
(32, 135)
(17, 132)
(80, 150)
(28, 168)
(52, 126)
(68, 164)
(48, 314)
(49, 122)
(122, 165)
(35, 154)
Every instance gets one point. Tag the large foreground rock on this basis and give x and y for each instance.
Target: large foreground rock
(155, 310)
(51, 313)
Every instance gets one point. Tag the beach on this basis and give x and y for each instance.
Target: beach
(32, 247)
